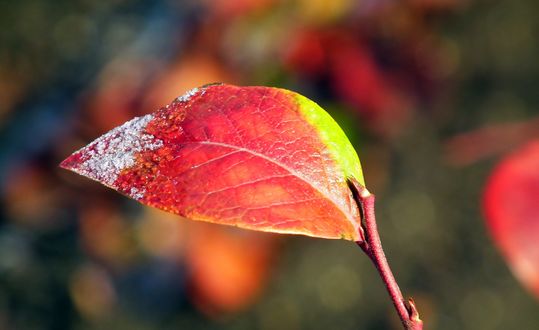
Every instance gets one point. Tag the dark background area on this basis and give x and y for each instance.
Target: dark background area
(432, 93)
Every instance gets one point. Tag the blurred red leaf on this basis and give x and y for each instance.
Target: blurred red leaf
(360, 81)
(511, 207)
(354, 73)
(255, 157)
(306, 53)
(487, 141)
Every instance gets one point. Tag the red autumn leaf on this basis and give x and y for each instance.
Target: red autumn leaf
(511, 207)
(254, 157)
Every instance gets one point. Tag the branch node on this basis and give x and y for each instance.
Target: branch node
(412, 310)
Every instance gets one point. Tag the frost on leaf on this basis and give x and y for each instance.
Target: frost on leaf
(189, 94)
(104, 159)
(259, 158)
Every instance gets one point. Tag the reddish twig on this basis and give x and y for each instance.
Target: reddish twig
(372, 246)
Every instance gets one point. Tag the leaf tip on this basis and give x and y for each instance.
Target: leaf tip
(108, 156)
(67, 164)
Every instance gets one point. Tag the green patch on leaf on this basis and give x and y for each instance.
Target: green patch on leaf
(333, 136)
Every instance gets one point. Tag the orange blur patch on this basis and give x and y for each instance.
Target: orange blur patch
(228, 268)
(92, 292)
(105, 235)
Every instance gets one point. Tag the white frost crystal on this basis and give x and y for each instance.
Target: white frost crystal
(189, 94)
(110, 154)
(136, 193)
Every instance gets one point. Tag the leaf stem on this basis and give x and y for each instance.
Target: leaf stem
(372, 246)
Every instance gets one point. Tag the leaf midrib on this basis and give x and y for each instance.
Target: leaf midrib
(283, 166)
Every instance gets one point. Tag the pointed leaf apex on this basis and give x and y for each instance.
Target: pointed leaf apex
(108, 156)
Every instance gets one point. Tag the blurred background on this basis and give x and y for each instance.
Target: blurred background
(432, 93)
